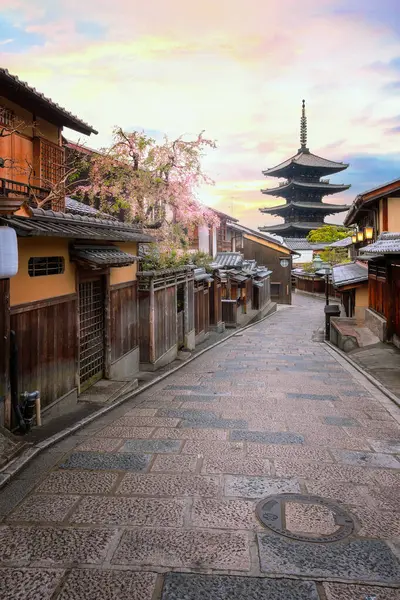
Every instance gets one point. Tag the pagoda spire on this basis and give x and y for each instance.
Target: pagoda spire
(303, 129)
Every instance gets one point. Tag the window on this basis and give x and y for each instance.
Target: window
(275, 289)
(7, 117)
(45, 265)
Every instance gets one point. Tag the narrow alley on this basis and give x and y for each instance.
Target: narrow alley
(267, 468)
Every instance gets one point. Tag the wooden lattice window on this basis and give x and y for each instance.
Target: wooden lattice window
(7, 117)
(45, 265)
(49, 170)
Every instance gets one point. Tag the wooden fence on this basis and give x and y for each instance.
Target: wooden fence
(201, 310)
(158, 312)
(229, 312)
(215, 296)
(262, 294)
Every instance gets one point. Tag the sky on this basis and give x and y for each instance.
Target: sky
(238, 70)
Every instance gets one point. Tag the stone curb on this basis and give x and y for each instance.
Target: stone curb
(370, 378)
(14, 467)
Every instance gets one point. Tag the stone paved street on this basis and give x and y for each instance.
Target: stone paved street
(157, 500)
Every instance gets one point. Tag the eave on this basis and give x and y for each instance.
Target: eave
(306, 206)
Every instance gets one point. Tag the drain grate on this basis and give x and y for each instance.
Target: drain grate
(271, 512)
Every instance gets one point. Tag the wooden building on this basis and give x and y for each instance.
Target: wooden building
(73, 303)
(202, 304)
(211, 239)
(351, 281)
(269, 252)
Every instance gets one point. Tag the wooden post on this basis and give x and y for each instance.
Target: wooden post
(107, 324)
(5, 393)
(152, 341)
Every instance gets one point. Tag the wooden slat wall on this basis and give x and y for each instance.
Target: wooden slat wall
(396, 298)
(190, 316)
(201, 309)
(124, 333)
(46, 339)
(5, 412)
(229, 312)
(165, 320)
(215, 302)
(144, 326)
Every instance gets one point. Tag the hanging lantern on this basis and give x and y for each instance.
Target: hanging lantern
(360, 236)
(354, 238)
(368, 233)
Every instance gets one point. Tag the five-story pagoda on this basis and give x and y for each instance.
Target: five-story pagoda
(303, 190)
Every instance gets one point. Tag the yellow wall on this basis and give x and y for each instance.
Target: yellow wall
(394, 214)
(30, 289)
(361, 301)
(267, 243)
(124, 274)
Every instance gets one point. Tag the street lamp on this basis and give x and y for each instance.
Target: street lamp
(317, 262)
(360, 236)
(368, 233)
(354, 238)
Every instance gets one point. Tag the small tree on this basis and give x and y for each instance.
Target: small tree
(156, 183)
(334, 256)
(328, 233)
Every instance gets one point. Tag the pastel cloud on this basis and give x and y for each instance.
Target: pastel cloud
(237, 71)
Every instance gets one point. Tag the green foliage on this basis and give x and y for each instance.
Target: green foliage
(202, 259)
(335, 256)
(157, 260)
(308, 268)
(328, 233)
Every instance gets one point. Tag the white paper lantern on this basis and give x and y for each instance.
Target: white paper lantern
(8, 252)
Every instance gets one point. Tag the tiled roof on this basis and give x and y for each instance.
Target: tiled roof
(53, 224)
(349, 273)
(17, 91)
(228, 259)
(79, 208)
(101, 256)
(298, 243)
(298, 225)
(345, 243)
(326, 187)
(317, 206)
(263, 236)
(387, 243)
(307, 159)
(200, 274)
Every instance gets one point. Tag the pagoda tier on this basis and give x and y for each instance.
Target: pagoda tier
(303, 190)
(293, 207)
(296, 189)
(294, 229)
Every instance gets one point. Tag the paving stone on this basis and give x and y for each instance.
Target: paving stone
(141, 412)
(107, 462)
(53, 545)
(258, 487)
(152, 446)
(236, 464)
(29, 584)
(217, 423)
(189, 415)
(324, 472)
(190, 434)
(295, 451)
(129, 511)
(386, 478)
(169, 485)
(386, 446)
(345, 493)
(44, 509)
(197, 398)
(189, 388)
(77, 482)
(386, 498)
(187, 586)
(356, 560)
(145, 422)
(378, 524)
(319, 397)
(341, 421)
(369, 459)
(178, 463)
(228, 514)
(184, 548)
(343, 591)
(267, 437)
(93, 584)
(100, 444)
(40, 465)
(125, 432)
(212, 448)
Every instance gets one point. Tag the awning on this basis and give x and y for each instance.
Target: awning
(97, 257)
(238, 278)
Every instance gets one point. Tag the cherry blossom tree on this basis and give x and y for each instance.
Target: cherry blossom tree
(155, 183)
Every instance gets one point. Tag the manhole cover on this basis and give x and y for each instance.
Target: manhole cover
(305, 518)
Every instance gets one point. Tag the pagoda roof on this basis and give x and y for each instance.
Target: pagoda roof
(326, 188)
(317, 206)
(292, 227)
(308, 160)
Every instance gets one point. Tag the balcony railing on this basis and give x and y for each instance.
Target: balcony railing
(8, 187)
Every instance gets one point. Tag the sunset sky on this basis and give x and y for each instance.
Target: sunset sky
(237, 70)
